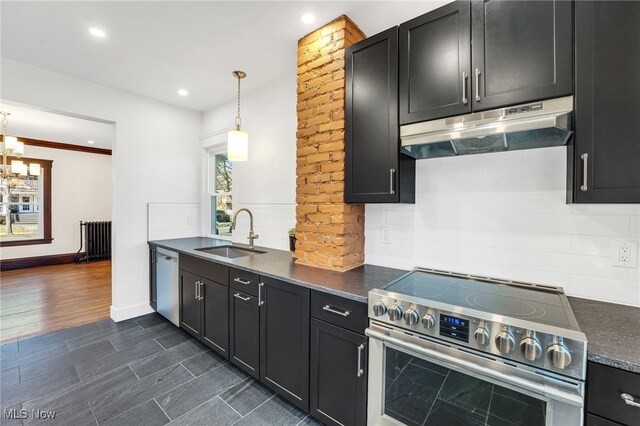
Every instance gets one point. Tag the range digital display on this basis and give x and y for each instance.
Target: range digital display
(454, 327)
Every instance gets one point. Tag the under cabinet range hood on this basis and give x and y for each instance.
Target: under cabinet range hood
(534, 125)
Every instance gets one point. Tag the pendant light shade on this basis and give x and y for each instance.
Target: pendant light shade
(237, 145)
(237, 140)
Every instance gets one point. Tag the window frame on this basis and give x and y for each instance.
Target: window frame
(210, 155)
(46, 167)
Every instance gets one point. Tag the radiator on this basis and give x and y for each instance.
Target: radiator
(96, 239)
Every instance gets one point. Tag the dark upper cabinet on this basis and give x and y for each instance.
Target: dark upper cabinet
(522, 51)
(244, 332)
(190, 303)
(338, 375)
(435, 64)
(284, 357)
(215, 315)
(375, 171)
(604, 161)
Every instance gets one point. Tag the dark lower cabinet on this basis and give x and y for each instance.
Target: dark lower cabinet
(190, 316)
(215, 316)
(284, 338)
(338, 375)
(605, 402)
(604, 159)
(204, 303)
(244, 332)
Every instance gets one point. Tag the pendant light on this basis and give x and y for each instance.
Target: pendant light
(237, 140)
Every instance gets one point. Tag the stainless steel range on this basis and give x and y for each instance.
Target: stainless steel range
(447, 348)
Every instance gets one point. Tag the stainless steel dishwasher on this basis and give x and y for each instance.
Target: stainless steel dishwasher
(167, 281)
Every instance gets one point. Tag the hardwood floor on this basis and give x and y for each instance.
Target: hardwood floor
(41, 300)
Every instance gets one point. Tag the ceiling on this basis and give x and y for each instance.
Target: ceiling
(155, 48)
(48, 126)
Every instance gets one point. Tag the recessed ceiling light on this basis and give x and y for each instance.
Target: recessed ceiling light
(90, 142)
(183, 92)
(97, 32)
(308, 18)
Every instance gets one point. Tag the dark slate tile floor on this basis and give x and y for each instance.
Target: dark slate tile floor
(143, 371)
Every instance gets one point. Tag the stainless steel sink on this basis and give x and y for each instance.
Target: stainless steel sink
(230, 252)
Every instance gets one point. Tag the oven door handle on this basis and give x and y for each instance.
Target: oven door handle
(540, 389)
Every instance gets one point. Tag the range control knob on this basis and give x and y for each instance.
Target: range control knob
(559, 355)
(411, 317)
(530, 347)
(379, 309)
(505, 342)
(481, 335)
(428, 321)
(395, 313)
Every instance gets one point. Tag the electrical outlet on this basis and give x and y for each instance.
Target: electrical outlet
(625, 254)
(189, 220)
(385, 237)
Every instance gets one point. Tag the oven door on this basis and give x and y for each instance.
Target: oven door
(421, 381)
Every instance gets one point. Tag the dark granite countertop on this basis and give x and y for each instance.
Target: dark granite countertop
(613, 332)
(353, 284)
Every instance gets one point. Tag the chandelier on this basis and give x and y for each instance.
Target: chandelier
(12, 147)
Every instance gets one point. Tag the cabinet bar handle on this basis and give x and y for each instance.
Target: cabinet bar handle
(464, 87)
(584, 157)
(478, 84)
(629, 400)
(260, 301)
(360, 351)
(335, 311)
(201, 286)
(196, 289)
(392, 173)
(241, 281)
(246, 299)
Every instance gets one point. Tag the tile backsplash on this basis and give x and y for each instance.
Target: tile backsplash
(504, 215)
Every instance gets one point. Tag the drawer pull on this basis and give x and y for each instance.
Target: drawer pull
(246, 299)
(360, 369)
(335, 311)
(629, 400)
(241, 281)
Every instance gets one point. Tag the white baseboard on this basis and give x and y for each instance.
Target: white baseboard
(121, 314)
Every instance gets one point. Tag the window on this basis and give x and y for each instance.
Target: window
(220, 193)
(25, 207)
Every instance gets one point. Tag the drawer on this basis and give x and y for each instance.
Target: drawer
(593, 420)
(244, 281)
(605, 385)
(206, 269)
(339, 311)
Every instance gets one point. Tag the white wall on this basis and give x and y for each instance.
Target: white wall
(504, 215)
(266, 183)
(81, 190)
(156, 158)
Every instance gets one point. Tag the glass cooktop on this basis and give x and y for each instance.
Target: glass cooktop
(532, 304)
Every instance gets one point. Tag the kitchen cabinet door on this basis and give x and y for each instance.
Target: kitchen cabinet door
(189, 303)
(284, 358)
(215, 316)
(604, 161)
(375, 171)
(435, 64)
(153, 278)
(244, 332)
(338, 375)
(522, 51)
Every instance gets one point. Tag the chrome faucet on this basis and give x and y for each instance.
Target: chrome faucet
(252, 235)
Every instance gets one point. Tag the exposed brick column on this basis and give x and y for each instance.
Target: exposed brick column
(330, 233)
